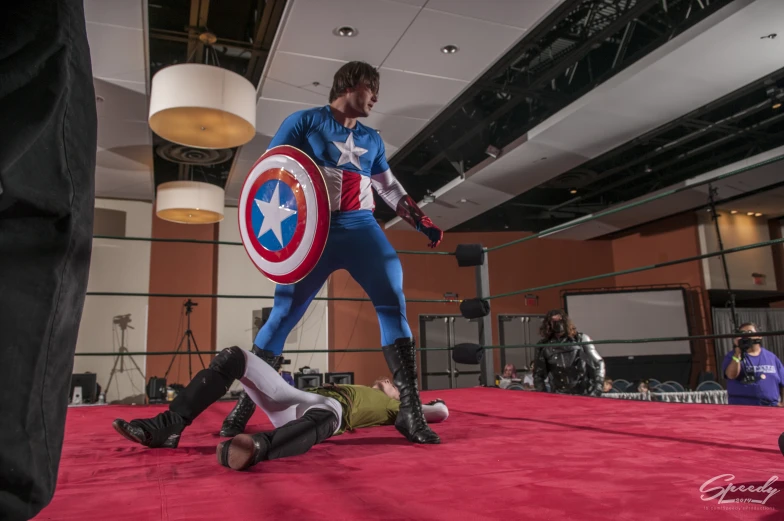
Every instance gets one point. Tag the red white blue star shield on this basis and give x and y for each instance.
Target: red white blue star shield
(284, 214)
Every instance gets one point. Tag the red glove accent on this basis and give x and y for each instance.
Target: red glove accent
(432, 231)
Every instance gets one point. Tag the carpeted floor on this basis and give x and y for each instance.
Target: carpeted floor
(505, 455)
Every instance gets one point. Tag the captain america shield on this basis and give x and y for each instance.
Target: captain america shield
(284, 214)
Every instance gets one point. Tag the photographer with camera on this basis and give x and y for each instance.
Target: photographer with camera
(755, 376)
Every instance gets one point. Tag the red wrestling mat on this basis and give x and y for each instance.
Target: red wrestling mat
(506, 455)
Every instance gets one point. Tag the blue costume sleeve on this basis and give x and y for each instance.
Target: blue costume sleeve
(293, 131)
(380, 164)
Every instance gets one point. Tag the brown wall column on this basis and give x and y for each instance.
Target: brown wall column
(188, 269)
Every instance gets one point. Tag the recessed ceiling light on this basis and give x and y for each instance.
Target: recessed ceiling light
(776, 106)
(346, 31)
(449, 49)
(733, 212)
(750, 214)
(757, 214)
(572, 192)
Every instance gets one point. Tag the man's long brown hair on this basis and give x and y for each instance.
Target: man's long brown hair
(351, 75)
(546, 330)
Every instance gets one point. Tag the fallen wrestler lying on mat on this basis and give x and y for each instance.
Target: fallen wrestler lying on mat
(301, 419)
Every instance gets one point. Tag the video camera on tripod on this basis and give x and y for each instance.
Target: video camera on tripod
(122, 321)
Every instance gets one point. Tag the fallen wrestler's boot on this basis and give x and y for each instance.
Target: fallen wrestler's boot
(162, 431)
(410, 422)
(240, 415)
(292, 439)
(242, 451)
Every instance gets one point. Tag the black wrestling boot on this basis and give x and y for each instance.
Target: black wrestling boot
(410, 422)
(238, 418)
(292, 439)
(162, 431)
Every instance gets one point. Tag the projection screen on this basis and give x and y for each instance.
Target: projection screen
(632, 314)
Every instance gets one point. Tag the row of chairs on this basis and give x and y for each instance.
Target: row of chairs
(670, 386)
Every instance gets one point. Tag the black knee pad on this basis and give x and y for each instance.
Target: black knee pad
(230, 363)
(324, 420)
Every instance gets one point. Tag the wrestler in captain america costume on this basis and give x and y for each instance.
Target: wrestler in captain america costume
(352, 159)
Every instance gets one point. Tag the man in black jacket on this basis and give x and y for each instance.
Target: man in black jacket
(572, 369)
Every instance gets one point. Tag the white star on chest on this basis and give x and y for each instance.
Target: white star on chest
(349, 152)
(274, 214)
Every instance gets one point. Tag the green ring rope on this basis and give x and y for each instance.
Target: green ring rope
(511, 346)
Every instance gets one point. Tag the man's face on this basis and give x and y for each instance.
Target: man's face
(388, 388)
(361, 99)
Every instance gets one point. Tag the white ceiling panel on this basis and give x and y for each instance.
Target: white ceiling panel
(394, 130)
(117, 33)
(278, 90)
(113, 133)
(416, 3)
(476, 198)
(590, 132)
(429, 93)
(379, 24)
(271, 113)
(291, 77)
(121, 13)
(117, 52)
(139, 87)
(480, 44)
(532, 164)
(116, 102)
(522, 14)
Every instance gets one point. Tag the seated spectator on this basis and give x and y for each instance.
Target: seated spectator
(755, 376)
(607, 385)
(528, 377)
(510, 371)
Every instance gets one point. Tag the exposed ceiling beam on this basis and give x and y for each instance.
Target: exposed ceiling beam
(262, 40)
(571, 58)
(532, 40)
(198, 23)
(177, 36)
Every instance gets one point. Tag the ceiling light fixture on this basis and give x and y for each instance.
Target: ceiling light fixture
(776, 105)
(449, 49)
(750, 214)
(345, 31)
(572, 191)
(757, 214)
(733, 212)
(189, 202)
(202, 106)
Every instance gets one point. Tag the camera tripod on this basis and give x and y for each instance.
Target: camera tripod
(122, 321)
(188, 335)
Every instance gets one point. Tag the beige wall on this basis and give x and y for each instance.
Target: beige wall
(238, 276)
(117, 266)
(737, 230)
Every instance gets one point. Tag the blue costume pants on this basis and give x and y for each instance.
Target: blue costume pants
(356, 244)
